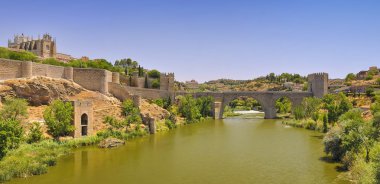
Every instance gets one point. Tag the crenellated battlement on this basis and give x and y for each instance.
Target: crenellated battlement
(318, 84)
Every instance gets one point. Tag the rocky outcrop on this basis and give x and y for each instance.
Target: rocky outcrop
(154, 111)
(111, 143)
(39, 90)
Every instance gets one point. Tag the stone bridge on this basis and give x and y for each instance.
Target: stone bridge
(318, 87)
(266, 99)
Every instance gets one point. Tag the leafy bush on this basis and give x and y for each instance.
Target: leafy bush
(58, 117)
(299, 113)
(17, 55)
(154, 74)
(170, 124)
(30, 159)
(14, 109)
(11, 134)
(163, 102)
(333, 143)
(370, 92)
(336, 105)
(283, 105)
(35, 133)
(375, 107)
(189, 109)
(350, 77)
(205, 105)
(131, 113)
(156, 84)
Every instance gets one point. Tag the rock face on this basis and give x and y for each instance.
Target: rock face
(154, 111)
(39, 90)
(111, 143)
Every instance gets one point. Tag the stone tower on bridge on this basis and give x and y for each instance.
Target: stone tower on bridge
(318, 84)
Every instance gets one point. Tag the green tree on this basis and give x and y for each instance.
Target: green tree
(283, 105)
(336, 105)
(11, 133)
(35, 133)
(14, 109)
(205, 105)
(350, 77)
(325, 122)
(375, 107)
(131, 113)
(333, 143)
(146, 82)
(155, 84)
(311, 106)
(154, 74)
(189, 109)
(370, 92)
(58, 117)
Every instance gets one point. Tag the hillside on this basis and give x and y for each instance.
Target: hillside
(41, 91)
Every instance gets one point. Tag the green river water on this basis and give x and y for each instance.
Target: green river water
(230, 151)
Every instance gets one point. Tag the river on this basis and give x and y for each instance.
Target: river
(242, 150)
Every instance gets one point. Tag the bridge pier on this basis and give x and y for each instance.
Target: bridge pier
(270, 113)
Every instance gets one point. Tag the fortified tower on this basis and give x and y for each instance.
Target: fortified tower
(167, 81)
(318, 84)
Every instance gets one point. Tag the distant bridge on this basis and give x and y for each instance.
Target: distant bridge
(318, 87)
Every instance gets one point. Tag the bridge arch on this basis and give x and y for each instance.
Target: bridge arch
(266, 99)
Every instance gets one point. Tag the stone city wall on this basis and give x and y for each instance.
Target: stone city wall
(148, 93)
(10, 69)
(119, 91)
(93, 79)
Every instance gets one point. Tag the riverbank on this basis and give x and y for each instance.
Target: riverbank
(245, 151)
(35, 159)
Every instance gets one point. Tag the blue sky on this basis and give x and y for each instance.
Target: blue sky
(209, 39)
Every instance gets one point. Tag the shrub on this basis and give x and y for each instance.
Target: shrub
(11, 134)
(310, 124)
(362, 172)
(299, 113)
(170, 124)
(333, 143)
(14, 109)
(58, 117)
(131, 113)
(156, 84)
(30, 159)
(375, 107)
(35, 133)
(336, 105)
(205, 106)
(350, 77)
(370, 92)
(154, 74)
(189, 109)
(17, 55)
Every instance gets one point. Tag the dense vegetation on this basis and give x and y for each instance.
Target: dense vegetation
(24, 151)
(21, 55)
(350, 138)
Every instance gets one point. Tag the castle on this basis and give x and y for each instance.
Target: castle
(44, 48)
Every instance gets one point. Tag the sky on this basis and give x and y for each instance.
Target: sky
(208, 39)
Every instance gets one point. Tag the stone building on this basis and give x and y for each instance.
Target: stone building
(83, 118)
(364, 73)
(192, 85)
(44, 48)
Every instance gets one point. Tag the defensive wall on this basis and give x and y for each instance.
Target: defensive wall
(100, 80)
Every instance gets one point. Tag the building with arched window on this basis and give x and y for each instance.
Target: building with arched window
(83, 118)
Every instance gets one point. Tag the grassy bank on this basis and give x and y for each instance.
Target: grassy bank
(34, 159)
